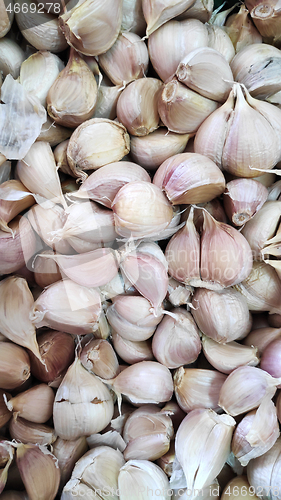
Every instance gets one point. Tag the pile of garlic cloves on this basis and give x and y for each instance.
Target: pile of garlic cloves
(140, 250)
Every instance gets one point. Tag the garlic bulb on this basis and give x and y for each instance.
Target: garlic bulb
(92, 27)
(242, 199)
(230, 138)
(83, 404)
(241, 29)
(227, 357)
(141, 476)
(157, 12)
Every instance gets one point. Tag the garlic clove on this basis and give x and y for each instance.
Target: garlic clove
(72, 107)
(46, 271)
(167, 460)
(266, 18)
(53, 133)
(269, 464)
(146, 420)
(238, 483)
(5, 414)
(29, 432)
(61, 158)
(7, 455)
(98, 357)
(178, 295)
(132, 351)
(92, 27)
(84, 154)
(67, 454)
(11, 54)
(220, 41)
(39, 471)
(149, 447)
(139, 476)
(34, 405)
(83, 404)
(242, 199)
(136, 310)
(157, 12)
(13, 375)
(262, 337)
(133, 19)
(227, 357)
(61, 306)
(241, 30)
(6, 19)
(108, 95)
(14, 198)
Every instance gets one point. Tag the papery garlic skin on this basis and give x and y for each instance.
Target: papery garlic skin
(142, 476)
(269, 479)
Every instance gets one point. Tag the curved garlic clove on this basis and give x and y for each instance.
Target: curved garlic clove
(141, 210)
(34, 404)
(167, 460)
(245, 388)
(14, 198)
(176, 341)
(137, 106)
(40, 29)
(208, 435)
(126, 60)
(46, 271)
(189, 178)
(135, 310)
(230, 318)
(242, 199)
(148, 419)
(241, 29)
(227, 357)
(157, 12)
(37, 164)
(149, 447)
(29, 432)
(269, 464)
(73, 95)
(88, 147)
(153, 149)
(201, 9)
(256, 433)
(13, 375)
(92, 27)
(182, 110)
(103, 184)
(83, 404)
(132, 351)
(207, 72)
(220, 41)
(6, 19)
(98, 357)
(67, 454)
(11, 54)
(152, 249)
(17, 246)
(38, 73)
(262, 337)
(197, 388)
(238, 484)
(67, 307)
(175, 39)
(142, 475)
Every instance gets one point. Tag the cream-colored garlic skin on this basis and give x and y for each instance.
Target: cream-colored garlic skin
(139, 476)
(242, 30)
(11, 55)
(242, 199)
(13, 375)
(83, 404)
(220, 41)
(67, 454)
(132, 351)
(92, 27)
(98, 356)
(269, 464)
(6, 19)
(175, 39)
(227, 357)
(35, 404)
(14, 198)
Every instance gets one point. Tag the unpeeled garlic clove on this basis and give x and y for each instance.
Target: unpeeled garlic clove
(242, 199)
(156, 13)
(242, 30)
(53, 133)
(132, 351)
(35, 404)
(83, 404)
(197, 388)
(189, 178)
(39, 471)
(269, 464)
(176, 341)
(235, 485)
(220, 41)
(67, 454)
(266, 18)
(92, 27)
(5, 414)
(175, 39)
(245, 388)
(227, 357)
(167, 460)
(98, 357)
(181, 109)
(208, 436)
(46, 271)
(262, 337)
(61, 158)
(6, 458)
(256, 433)
(270, 360)
(207, 72)
(201, 9)
(6, 19)
(88, 147)
(229, 319)
(133, 19)
(14, 198)
(139, 476)
(13, 375)
(11, 54)
(62, 306)
(29, 432)
(17, 246)
(108, 95)
(73, 95)
(38, 73)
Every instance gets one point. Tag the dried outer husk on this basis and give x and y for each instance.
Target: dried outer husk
(53, 133)
(269, 479)
(242, 199)
(91, 27)
(157, 12)
(13, 375)
(18, 134)
(40, 29)
(61, 306)
(11, 54)
(88, 147)
(83, 404)
(6, 18)
(227, 357)
(67, 454)
(34, 404)
(29, 432)
(241, 29)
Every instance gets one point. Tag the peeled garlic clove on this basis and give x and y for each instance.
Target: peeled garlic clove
(176, 341)
(182, 110)
(256, 433)
(72, 98)
(133, 382)
(98, 356)
(245, 388)
(67, 454)
(238, 484)
(14, 198)
(13, 375)
(175, 39)
(189, 178)
(229, 319)
(83, 404)
(227, 357)
(38, 73)
(89, 149)
(46, 271)
(132, 351)
(157, 12)
(29, 432)
(37, 164)
(202, 446)
(207, 72)
(68, 307)
(241, 30)
(141, 476)
(6, 19)
(220, 41)
(197, 388)
(11, 54)
(242, 199)
(39, 471)
(92, 27)
(35, 404)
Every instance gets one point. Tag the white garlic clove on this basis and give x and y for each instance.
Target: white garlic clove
(227, 357)
(132, 351)
(141, 476)
(220, 41)
(157, 12)
(269, 464)
(11, 54)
